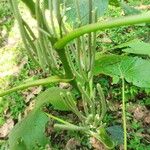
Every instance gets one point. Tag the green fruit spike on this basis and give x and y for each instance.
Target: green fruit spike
(89, 119)
(105, 138)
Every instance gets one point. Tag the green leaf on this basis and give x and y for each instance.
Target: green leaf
(134, 69)
(114, 3)
(128, 10)
(52, 96)
(105, 138)
(104, 63)
(116, 133)
(71, 13)
(30, 132)
(136, 47)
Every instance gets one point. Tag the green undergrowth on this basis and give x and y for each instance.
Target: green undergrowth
(6, 21)
(137, 99)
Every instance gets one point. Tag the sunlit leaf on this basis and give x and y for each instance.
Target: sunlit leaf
(105, 138)
(105, 64)
(30, 132)
(71, 13)
(71, 9)
(134, 69)
(52, 96)
(128, 10)
(136, 47)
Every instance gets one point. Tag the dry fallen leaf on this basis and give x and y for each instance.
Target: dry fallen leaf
(71, 144)
(5, 129)
(29, 108)
(147, 119)
(30, 94)
(139, 113)
(106, 40)
(143, 7)
(64, 85)
(121, 147)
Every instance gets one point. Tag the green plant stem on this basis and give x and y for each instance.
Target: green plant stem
(50, 3)
(95, 18)
(124, 114)
(64, 60)
(58, 15)
(70, 127)
(72, 64)
(103, 102)
(68, 71)
(58, 119)
(29, 30)
(90, 37)
(83, 48)
(29, 39)
(103, 138)
(124, 21)
(66, 125)
(69, 100)
(80, 59)
(52, 79)
(15, 10)
(31, 5)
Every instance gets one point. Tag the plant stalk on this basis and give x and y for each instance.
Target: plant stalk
(123, 21)
(52, 79)
(124, 114)
(70, 127)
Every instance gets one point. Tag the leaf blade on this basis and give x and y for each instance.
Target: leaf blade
(134, 69)
(52, 96)
(29, 132)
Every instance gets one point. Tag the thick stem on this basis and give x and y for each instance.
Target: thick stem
(124, 21)
(52, 79)
(68, 71)
(64, 60)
